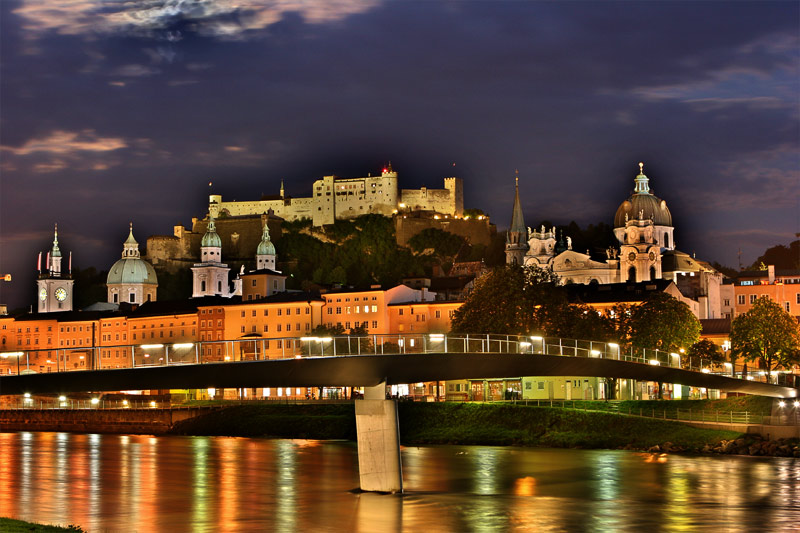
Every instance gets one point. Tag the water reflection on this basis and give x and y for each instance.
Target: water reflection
(142, 483)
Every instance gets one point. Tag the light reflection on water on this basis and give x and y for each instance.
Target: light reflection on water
(143, 483)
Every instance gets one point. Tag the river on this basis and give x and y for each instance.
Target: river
(145, 483)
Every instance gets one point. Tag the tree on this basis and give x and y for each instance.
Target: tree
(703, 352)
(782, 256)
(767, 334)
(507, 300)
(665, 323)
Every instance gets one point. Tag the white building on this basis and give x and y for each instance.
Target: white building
(54, 288)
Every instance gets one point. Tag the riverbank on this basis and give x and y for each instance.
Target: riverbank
(9, 525)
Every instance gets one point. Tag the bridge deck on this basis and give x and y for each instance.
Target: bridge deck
(370, 370)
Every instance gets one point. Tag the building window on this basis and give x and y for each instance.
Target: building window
(741, 299)
(400, 312)
(753, 298)
(266, 328)
(242, 329)
(438, 314)
(786, 305)
(253, 284)
(253, 313)
(727, 302)
(374, 324)
(266, 313)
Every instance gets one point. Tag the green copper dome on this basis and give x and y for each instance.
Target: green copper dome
(265, 247)
(642, 204)
(131, 268)
(211, 239)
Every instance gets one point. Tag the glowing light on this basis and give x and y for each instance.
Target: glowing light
(536, 338)
(125, 403)
(27, 395)
(150, 346)
(227, 357)
(436, 336)
(12, 354)
(682, 350)
(524, 344)
(654, 362)
(183, 345)
(95, 401)
(796, 403)
(82, 358)
(613, 345)
(705, 370)
(62, 398)
(594, 353)
(728, 365)
(153, 404)
(781, 404)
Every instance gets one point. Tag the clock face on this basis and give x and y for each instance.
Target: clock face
(61, 294)
(631, 257)
(43, 294)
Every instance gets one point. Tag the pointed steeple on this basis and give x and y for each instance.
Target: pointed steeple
(55, 252)
(517, 236)
(130, 248)
(283, 191)
(211, 244)
(517, 221)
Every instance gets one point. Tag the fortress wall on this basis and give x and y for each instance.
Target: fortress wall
(439, 200)
(474, 230)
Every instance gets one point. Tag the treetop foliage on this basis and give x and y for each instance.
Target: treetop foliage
(767, 334)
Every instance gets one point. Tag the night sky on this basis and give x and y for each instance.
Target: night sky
(113, 112)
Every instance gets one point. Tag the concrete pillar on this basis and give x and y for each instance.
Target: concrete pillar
(378, 433)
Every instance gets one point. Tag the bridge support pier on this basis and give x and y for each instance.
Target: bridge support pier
(378, 432)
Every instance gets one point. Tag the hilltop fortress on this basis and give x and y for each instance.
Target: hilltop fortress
(334, 198)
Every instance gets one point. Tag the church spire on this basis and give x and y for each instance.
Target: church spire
(55, 252)
(265, 253)
(517, 236)
(517, 222)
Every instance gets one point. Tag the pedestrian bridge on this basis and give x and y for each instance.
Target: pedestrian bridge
(364, 361)
(371, 362)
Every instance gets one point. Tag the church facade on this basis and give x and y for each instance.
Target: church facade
(645, 251)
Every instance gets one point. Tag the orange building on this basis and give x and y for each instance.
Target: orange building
(782, 286)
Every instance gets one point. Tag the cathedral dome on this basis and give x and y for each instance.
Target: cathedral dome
(132, 270)
(265, 247)
(643, 205)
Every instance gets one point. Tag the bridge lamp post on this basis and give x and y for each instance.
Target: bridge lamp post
(436, 338)
(184, 345)
(151, 347)
(537, 338)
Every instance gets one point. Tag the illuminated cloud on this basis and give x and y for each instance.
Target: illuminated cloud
(67, 142)
(226, 19)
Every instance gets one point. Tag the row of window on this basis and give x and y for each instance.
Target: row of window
(254, 328)
(742, 298)
(356, 309)
(254, 312)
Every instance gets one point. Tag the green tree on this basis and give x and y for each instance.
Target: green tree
(507, 300)
(665, 323)
(701, 353)
(767, 334)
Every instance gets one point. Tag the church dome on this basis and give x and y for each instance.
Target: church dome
(265, 247)
(211, 238)
(131, 268)
(643, 205)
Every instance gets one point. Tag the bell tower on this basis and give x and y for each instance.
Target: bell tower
(517, 235)
(54, 288)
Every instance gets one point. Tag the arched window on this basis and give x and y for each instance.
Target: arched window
(632, 274)
(219, 286)
(652, 273)
(203, 286)
(666, 240)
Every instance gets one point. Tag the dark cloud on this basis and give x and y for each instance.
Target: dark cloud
(118, 112)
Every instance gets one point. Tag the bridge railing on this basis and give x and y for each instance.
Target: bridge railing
(255, 348)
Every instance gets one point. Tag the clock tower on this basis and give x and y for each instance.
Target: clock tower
(54, 288)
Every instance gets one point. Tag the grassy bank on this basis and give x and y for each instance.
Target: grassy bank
(459, 423)
(9, 525)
